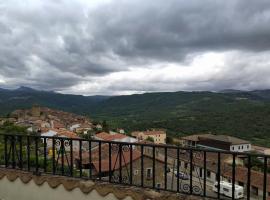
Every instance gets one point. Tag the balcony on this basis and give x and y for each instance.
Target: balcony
(138, 170)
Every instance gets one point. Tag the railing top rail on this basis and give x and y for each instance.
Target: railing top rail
(145, 145)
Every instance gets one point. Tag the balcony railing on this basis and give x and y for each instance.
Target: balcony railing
(202, 172)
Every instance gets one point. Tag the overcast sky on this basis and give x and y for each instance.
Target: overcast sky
(133, 46)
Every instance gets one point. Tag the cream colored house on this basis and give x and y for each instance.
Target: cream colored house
(158, 136)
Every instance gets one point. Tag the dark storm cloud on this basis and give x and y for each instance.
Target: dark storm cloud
(56, 45)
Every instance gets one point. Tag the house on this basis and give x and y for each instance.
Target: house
(261, 150)
(115, 137)
(256, 180)
(218, 142)
(60, 133)
(158, 136)
(102, 167)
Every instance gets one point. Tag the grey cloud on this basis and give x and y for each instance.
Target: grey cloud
(76, 44)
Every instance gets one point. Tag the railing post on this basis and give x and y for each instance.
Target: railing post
(265, 179)
(6, 154)
(90, 158)
(36, 154)
(178, 170)
(190, 172)
(165, 168)
(110, 162)
(13, 151)
(99, 160)
(120, 163)
(218, 175)
(53, 155)
(204, 173)
(20, 154)
(154, 167)
(62, 156)
(45, 154)
(248, 177)
(131, 167)
(233, 178)
(142, 166)
(28, 153)
(80, 156)
(71, 157)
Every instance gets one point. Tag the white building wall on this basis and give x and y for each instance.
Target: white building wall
(240, 148)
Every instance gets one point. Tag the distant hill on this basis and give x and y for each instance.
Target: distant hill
(245, 114)
(24, 97)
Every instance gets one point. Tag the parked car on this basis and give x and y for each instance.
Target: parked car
(181, 175)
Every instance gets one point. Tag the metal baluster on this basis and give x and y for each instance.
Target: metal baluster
(28, 153)
(110, 162)
(218, 175)
(248, 177)
(265, 179)
(120, 163)
(142, 166)
(99, 160)
(154, 166)
(62, 156)
(80, 156)
(131, 167)
(53, 156)
(190, 172)
(165, 167)
(233, 178)
(45, 154)
(6, 154)
(13, 151)
(20, 154)
(178, 166)
(204, 173)
(36, 153)
(71, 157)
(90, 158)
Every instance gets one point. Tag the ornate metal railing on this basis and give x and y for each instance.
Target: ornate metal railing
(203, 172)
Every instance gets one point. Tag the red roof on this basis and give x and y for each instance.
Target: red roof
(109, 137)
(115, 160)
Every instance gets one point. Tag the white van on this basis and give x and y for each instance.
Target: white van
(226, 189)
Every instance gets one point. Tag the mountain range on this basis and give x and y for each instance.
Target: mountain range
(244, 114)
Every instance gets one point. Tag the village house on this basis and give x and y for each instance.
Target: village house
(158, 136)
(115, 137)
(125, 165)
(60, 133)
(218, 142)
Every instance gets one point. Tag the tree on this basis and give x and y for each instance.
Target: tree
(105, 126)
(169, 140)
(150, 139)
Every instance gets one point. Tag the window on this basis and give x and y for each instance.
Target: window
(186, 165)
(158, 185)
(247, 146)
(238, 147)
(149, 173)
(254, 190)
(208, 174)
(201, 172)
(226, 190)
(136, 172)
(242, 147)
(232, 148)
(240, 183)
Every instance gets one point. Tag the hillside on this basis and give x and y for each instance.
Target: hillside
(238, 113)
